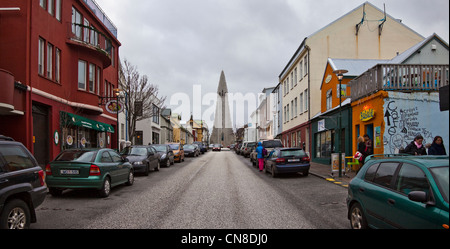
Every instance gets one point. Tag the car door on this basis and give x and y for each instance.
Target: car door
(107, 166)
(152, 157)
(122, 170)
(271, 160)
(405, 213)
(374, 191)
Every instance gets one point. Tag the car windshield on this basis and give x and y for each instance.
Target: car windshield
(135, 151)
(174, 146)
(441, 176)
(251, 144)
(272, 144)
(292, 153)
(76, 155)
(189, 147)
(217, 145)
(160, 148)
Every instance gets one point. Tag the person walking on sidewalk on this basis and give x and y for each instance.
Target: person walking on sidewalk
(260, 150)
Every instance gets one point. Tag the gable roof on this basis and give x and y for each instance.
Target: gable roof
(401, 58)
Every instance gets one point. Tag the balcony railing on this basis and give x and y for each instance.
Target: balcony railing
(398, 77)
(92, 38)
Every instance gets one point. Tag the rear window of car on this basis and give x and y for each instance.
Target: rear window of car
(292, 153)
(174, 146)
(272, 144)
(15, 158)
(77, 156)
(160, 148)
(441, 176)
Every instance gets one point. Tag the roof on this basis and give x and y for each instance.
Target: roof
(355, 67)
(412, 50)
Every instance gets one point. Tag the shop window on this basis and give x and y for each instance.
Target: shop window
(324, 145)
(329, 99)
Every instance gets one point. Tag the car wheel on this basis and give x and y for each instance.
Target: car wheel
(168, 163)
(147, 169)
(273, 172)
(173, 162)
(15, 215)
(130, 178)
(357, 218)
(106, 188)
(305, 173)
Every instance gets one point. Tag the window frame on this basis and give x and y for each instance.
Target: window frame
(85, 75)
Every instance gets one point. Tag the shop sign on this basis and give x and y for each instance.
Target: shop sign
(321, 125)
(367, 115)
(114, 107)
(56, 137)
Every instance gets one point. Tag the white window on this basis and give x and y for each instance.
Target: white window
(50, 8)
(306, 65)
(329, 99)
(292, 80)
(94, 36)
(92, 68)
(42, 3)
(98, 80)
(76, 23)
(86, 31)
(301, 69)
(58, 9)
(295, 77)
(295, 107)
(306, 100)
(81, 75)
(58, 65)
(49, 61)
(301, 103)
(292, 109)
(41, 56)
(287, 85)
(287, 108)
(284, 114)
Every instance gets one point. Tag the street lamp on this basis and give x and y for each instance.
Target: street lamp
(116, 96)
(340, 74)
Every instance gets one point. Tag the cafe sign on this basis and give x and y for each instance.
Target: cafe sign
(367, 114)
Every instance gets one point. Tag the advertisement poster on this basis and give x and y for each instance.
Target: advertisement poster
(335, 163)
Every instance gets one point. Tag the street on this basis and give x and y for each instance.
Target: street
(217, 190)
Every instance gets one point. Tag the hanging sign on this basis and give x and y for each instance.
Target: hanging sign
(114, 107)
(367, 115)
(56, 137)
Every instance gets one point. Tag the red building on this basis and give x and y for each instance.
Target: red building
(57, 60)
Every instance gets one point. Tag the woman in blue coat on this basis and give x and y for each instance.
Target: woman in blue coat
(260, 150)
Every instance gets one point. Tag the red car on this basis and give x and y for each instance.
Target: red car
(217, 147)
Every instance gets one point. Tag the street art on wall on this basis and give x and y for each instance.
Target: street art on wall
(408, 114)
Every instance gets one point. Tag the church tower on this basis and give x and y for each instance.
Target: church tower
(223, 129)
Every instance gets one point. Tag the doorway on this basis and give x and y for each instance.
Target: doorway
(41, 137)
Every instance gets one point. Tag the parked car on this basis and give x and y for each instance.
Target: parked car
(210, 147)
(202, 147)
(143, 158)
(247, 148)
(394, 191)
(217, 147)
(287, 160)
(178, 151)
(237, 148)
(269, 145)
(167, 157)
(99, 169)
(22, 187)
(191, 150)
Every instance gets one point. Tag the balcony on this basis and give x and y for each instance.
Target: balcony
(91, 39)
(398, 77)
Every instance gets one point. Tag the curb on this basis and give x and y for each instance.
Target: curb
(331, 180)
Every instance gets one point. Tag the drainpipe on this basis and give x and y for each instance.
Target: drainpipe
(309, 97)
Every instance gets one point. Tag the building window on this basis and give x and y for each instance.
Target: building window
(306, 65)
(58, 65)
(295, 107)
(94, 36)
(92, 68)
(86, 31)
(301, 102)
(82, 75)
(324, 144)
(306, 100)
(98, 80)
(292, 80)
(284, 114)
(51, 7)
(58, 9)
(287, 85)
(301, 70)
(76, 23)
(329, 99)
(49, 61)
(295, 76)
(43, 4)
(155, 114)
(287, 113)
(41, 56)
(292, 109)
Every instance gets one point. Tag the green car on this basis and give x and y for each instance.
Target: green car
(99, 169)
(398, 191)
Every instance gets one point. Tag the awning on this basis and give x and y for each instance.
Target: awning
(75, 120)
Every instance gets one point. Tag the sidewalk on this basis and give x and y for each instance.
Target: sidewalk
(324, 171)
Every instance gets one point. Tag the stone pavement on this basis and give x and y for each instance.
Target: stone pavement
(324, 171)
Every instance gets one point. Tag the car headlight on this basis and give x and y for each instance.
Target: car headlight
(138, 163)
(163, 156)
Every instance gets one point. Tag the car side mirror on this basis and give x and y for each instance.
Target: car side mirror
(151, 154)
(418, 196)
(125, 159)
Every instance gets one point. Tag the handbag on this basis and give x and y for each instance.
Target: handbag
(358, 156)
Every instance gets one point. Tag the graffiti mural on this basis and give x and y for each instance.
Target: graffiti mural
(407, 115)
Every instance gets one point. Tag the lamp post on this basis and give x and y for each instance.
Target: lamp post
(116, 96)
(340, 74)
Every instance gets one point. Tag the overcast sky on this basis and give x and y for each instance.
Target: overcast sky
(180, 43)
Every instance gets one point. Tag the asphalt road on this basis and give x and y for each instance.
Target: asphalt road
(218, 190)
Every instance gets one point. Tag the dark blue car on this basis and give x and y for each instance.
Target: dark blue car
(287, 160)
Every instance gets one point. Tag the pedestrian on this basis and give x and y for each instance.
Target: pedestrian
(437, 147)
(362, 151)
(369, 145)
(416, 147)
(260, 151)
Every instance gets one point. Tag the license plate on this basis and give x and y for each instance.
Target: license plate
(69, 172)
(293, 160)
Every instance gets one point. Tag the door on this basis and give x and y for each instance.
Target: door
(404, 213)
(122, 170)
(107, 166)
(152, 157)
(369, 131)
(139, 138)
(41, 134)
